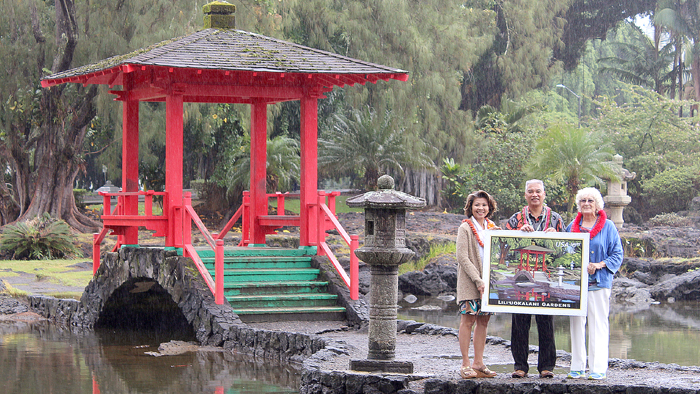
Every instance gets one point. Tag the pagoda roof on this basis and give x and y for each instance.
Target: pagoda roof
(233, 51)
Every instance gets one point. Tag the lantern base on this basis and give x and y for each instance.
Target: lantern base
(405, 367)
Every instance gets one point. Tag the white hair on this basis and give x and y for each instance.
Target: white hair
(593, 192)
(531, 181)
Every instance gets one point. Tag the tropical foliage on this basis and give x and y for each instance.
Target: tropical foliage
(574, 157)
(38, 239)
(467, 61)
(654, 141)
(365, 144)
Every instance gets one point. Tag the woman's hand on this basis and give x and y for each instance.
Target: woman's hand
(593, 267)
(481, 290)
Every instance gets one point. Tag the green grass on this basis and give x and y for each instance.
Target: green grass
(435, 251)
(292, 205)
(55, 271)
(157, 209)
(13, 292)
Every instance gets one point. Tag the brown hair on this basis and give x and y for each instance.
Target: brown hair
(480, 194)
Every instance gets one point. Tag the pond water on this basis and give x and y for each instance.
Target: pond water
(43, 358)
(667, 333)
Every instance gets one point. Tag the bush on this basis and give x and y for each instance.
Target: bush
(41, 238)
(669, 219)
(79, 195)
(672, 190)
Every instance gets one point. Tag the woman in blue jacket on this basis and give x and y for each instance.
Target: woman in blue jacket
(605, 258)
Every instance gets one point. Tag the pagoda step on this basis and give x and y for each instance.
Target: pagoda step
(282, 300)
(259, 315)
(269, 275)
(252, 251)
(260, 262)
(286, 287)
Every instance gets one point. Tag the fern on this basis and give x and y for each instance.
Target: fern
(41, 238)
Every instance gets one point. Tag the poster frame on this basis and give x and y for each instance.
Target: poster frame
(526, 286)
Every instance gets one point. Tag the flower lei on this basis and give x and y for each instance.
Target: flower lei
(547, 216)
(489, 225)
(599, 223)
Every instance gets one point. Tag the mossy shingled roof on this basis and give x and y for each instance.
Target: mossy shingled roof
(236, 50)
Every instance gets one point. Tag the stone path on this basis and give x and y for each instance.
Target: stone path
(438, 357)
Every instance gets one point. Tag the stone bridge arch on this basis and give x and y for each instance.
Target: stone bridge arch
(139, 275)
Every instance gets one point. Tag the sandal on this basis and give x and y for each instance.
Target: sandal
(467, 373)
(484, 372)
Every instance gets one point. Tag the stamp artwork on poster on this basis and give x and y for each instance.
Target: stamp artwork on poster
(536, 272)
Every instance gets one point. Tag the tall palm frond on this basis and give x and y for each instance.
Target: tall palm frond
(364, 143)
(640, 62)
(283, 165)
(572, 156)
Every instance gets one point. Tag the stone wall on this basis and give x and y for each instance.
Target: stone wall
(214, 325)
(133, 266)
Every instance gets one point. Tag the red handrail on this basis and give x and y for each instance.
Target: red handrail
(352, 281)
(216, 285)
(230, 223)
(97, 239)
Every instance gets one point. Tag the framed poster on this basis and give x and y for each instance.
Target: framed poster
(535, 273)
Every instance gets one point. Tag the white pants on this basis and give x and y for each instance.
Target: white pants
(598, 334)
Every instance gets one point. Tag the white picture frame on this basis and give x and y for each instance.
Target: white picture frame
(536, 272)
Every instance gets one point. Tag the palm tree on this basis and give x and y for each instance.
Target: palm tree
(683, 18)
(366, 144)
(641, 61)
(283, 164)
(573, 156)
(506, 120)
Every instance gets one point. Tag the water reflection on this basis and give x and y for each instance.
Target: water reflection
(667, 333)
(43, 358)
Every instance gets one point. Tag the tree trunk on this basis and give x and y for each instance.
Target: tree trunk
(55, 146)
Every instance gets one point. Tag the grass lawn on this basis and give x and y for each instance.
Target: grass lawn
(292, 205)
(58, 272)
(157, 209)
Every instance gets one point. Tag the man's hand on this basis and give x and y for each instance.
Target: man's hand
(550, 230)
(527, 228)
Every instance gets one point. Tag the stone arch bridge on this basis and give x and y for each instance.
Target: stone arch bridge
(145, 286)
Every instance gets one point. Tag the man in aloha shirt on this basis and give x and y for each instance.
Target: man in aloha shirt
(535, 216)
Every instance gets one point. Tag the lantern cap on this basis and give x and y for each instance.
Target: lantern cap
(386, 197)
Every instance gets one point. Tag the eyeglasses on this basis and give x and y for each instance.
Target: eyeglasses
(590, 201)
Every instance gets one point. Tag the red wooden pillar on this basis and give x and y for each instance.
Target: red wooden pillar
(130, 162)
(308, 231)
(258, 170)
(173, 170)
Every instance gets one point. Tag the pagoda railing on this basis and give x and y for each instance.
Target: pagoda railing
(116, 221)
(327, 220)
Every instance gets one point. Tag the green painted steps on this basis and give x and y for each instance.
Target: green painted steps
(258, 288)
(282, 300)
(269, 275)
(259, 315)
(260, 262)
(264, 284)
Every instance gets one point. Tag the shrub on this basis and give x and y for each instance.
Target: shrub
(79, 195)
(41, 238)
(669, 219)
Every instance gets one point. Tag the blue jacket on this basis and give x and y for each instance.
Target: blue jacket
(605, 246)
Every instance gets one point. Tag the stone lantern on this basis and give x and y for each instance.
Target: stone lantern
(384, 250)
(617, 198)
